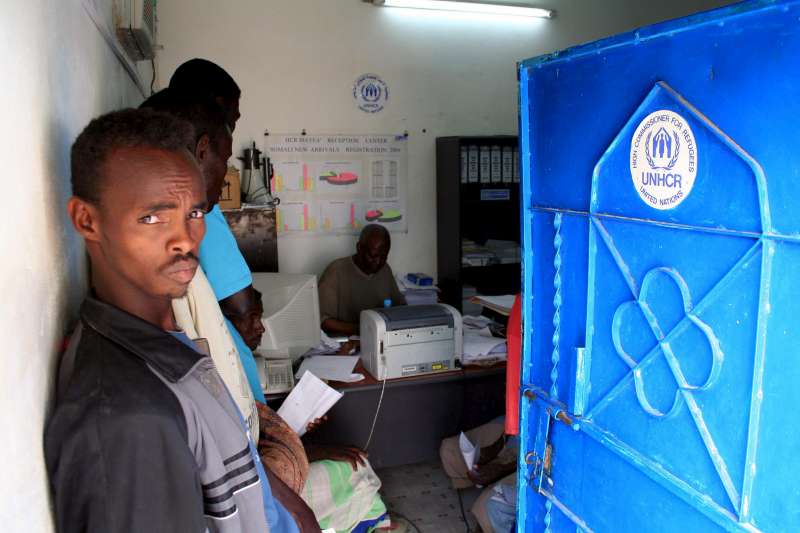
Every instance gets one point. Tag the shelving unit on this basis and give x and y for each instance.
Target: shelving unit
(478, 209)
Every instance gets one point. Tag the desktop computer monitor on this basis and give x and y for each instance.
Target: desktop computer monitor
(291, 314)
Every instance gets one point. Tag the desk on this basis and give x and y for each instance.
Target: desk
(416, 414)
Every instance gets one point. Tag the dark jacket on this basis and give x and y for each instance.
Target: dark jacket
(145, 437)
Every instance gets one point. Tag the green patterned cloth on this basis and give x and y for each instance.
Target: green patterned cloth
(341, 498)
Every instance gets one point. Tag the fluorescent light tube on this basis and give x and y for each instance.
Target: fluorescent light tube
(469, 7)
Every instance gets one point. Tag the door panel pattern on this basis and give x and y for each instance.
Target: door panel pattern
(660, 278)
(665, 335)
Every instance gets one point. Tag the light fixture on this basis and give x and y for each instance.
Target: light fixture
(513, 10)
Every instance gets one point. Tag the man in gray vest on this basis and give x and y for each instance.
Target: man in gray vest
(145, 436)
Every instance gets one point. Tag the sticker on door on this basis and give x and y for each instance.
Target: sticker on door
(663, 159)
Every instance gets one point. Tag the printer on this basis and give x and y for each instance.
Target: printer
(410, 339)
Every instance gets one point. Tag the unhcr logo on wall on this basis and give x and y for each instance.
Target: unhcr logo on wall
(370, 93)
(663, 159)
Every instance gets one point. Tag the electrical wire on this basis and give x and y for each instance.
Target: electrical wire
(377, 409)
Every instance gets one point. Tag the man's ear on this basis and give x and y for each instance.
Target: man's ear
(84, 217)
(203, 149)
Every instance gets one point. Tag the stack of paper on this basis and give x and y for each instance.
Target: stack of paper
(310, 399)
(501, 304)
(473, 254)
(331, 367)
(505, 251)
(416, 294)
(326, 345)
(476, 321)
(480, 346)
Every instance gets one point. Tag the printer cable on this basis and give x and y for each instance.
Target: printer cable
(378, 408)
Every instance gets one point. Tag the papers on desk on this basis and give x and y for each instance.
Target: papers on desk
(476, 322)
(310, 399)
(501, 304)
(416, 294)
(480, 346)
(468, 450)
(327, 345)
(331, 367)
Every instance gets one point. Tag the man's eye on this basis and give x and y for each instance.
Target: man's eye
(150, 219)
(197, 213)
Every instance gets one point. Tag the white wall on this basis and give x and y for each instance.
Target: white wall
(57, 73)
(296, 61)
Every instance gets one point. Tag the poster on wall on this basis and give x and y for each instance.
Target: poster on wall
(336, 184)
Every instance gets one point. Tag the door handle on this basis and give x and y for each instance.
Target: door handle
(555, 408)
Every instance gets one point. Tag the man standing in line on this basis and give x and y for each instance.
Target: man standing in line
(199, 313)
(222, 262)
(212, 149)
(203, 78)
(145, 436)
(230, 279)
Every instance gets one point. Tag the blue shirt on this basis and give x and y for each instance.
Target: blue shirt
(248, 363)
(228, 273)
(223, 263)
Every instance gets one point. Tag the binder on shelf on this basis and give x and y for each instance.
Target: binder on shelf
(508, 164)
(472, 164)
(485, 164)
(496, 168)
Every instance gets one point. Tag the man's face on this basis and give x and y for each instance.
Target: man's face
(216, 166)
(150, 221)
(372, 253)
(247, 321)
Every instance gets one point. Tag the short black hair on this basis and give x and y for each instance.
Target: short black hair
(127, 128)
(375, 229)
(237, 304)
(204, 114)
(205, 79)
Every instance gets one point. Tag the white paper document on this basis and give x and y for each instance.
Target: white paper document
(501, 304)
(477, 344)
(468, 450)
(326, 345)
(475, 322)
(330, 367)
(310, 399)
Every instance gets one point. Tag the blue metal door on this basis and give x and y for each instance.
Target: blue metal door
(661, 228)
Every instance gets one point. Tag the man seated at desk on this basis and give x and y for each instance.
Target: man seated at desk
(354, 283)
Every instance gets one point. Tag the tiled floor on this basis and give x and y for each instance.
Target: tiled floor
(422, 494)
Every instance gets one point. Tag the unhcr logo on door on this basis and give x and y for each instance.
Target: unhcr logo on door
(370, 93)
(663, 159)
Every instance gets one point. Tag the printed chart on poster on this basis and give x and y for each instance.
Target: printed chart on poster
(336, 184)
